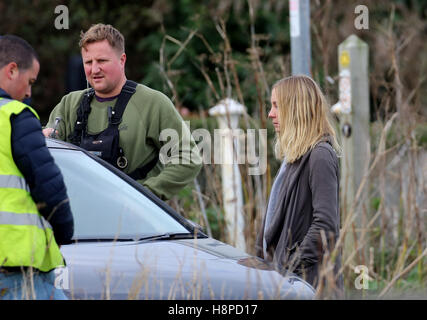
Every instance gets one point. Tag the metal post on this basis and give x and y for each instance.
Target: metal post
(299, 14)
(228, 146)
(353, 108)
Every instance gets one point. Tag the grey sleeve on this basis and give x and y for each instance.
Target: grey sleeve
(324, 184)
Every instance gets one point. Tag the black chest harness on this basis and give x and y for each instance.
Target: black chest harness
(106, 144)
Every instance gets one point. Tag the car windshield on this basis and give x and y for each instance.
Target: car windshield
(105, 206)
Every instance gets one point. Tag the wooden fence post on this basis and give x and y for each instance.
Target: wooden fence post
(353, 110)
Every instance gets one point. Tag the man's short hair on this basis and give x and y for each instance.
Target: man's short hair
(16, 49)
(100, 32)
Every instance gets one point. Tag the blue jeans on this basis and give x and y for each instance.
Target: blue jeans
(29, 285)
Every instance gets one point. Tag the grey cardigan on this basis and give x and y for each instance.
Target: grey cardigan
(308, 201)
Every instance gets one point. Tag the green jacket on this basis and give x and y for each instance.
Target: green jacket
(147, 115)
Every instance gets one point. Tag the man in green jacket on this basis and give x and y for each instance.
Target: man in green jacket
(141, 127)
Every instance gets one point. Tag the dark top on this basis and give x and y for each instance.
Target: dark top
(308, 202)
(33, 159)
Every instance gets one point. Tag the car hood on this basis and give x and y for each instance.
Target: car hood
(171, 269)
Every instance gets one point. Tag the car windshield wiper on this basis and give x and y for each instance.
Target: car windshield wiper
(168, 236)
(162, 236)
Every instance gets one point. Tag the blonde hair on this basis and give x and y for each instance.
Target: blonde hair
(100, 32)
(303, 116)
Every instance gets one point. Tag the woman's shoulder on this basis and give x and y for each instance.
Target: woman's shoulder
(323, 151)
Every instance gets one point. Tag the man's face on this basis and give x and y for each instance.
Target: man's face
(22, 80)
(104, 68)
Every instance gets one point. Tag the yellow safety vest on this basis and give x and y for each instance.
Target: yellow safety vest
(26, 238)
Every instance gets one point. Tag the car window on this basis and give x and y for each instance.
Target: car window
(105, 206)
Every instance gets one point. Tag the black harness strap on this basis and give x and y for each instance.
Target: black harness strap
(127, 91)
(142, 172)
(80, 128)
(82, 116)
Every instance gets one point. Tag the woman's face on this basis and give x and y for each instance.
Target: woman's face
(273, 114)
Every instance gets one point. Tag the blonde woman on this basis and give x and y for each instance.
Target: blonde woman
(303, 202)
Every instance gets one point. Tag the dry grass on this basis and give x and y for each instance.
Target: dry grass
(387, 222)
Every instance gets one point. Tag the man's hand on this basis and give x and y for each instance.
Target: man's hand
(48, 132)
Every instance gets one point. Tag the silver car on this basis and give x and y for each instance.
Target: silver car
(128, 244)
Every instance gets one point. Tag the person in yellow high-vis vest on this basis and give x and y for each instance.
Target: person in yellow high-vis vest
(35, 214)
